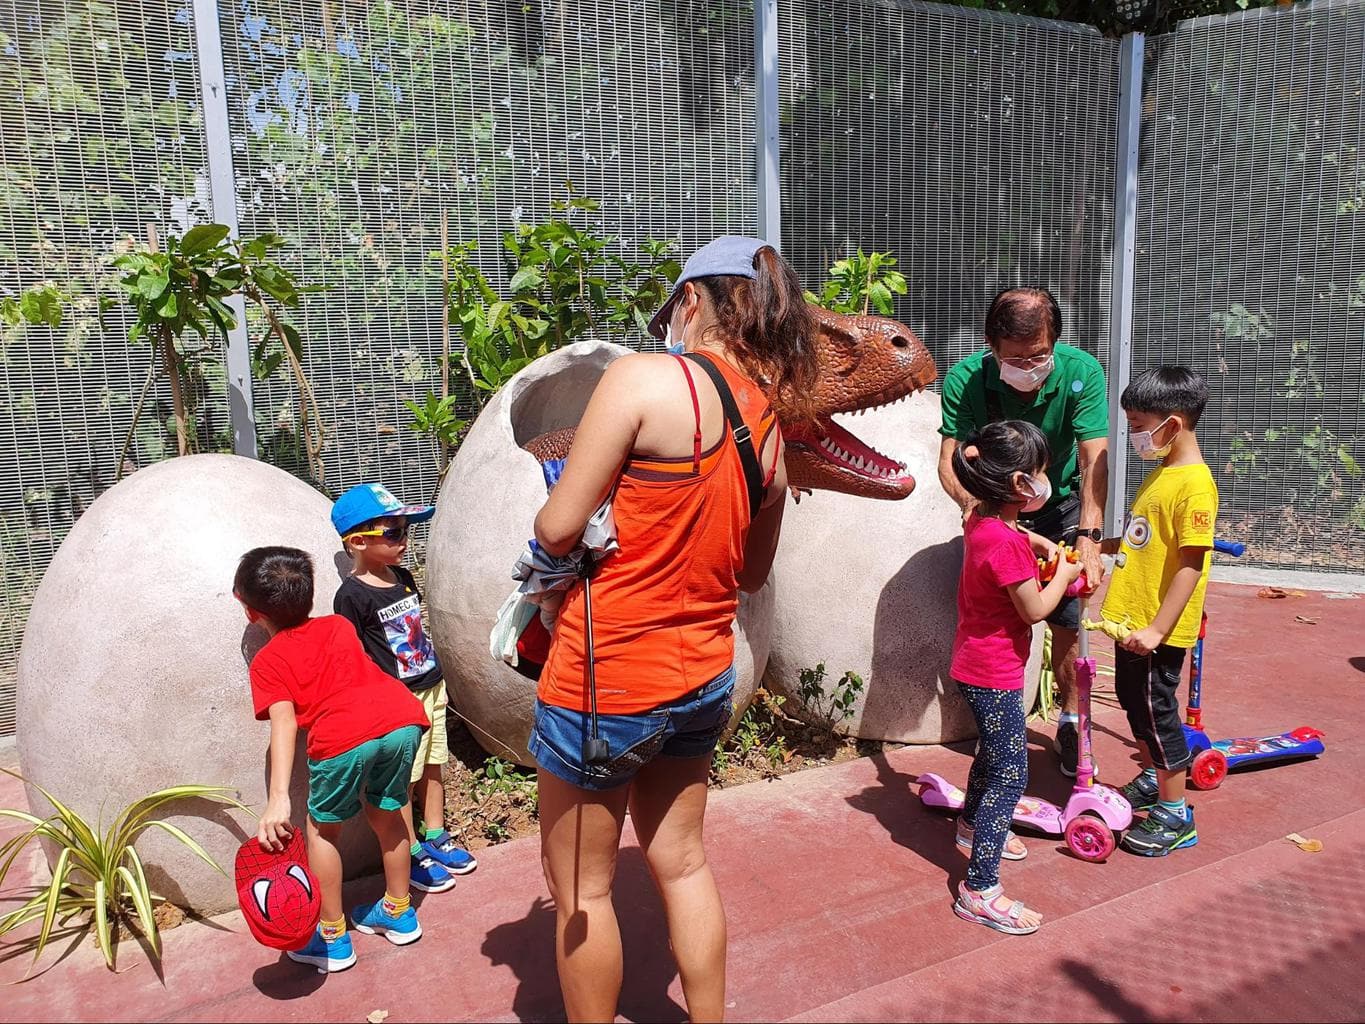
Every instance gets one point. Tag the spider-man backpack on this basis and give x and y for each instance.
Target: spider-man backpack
(278, 894)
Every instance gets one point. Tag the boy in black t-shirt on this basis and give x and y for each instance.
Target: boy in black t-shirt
(380, 598)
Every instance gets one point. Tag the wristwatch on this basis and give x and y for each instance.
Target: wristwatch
(1094, 533)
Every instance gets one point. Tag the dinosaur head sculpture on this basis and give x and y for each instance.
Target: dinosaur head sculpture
(866, 362)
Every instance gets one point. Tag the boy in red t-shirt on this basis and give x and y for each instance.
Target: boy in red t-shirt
(363, 732)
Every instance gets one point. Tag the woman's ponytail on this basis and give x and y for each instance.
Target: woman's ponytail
(772, 329)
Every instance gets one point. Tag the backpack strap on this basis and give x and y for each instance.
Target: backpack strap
(739, 430)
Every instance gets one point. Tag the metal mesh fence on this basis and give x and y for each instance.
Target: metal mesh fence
(100, 135)
(357, 125)
(978, 149)
(1251, 266)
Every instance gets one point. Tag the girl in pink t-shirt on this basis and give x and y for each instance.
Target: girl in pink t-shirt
(1004, 466)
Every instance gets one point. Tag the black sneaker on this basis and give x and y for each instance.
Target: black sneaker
(1141, 793)
(1068, 748)
(1161, 832)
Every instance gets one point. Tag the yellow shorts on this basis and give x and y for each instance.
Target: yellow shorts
(432, 749)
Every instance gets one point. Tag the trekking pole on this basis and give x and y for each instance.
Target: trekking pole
(595, 749)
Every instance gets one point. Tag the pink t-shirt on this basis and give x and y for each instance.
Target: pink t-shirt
(992, 642)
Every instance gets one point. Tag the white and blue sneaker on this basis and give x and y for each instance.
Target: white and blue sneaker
(428, 875)
(445, 852)
(327, 957)
(371, 919)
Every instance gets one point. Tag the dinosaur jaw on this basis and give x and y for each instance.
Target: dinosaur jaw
(830, 458)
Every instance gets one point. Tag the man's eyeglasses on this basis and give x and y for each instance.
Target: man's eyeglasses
(392, 534)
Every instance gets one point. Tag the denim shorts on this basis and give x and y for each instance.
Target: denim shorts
(687, 727)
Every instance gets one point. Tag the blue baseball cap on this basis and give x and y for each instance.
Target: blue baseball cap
(364, 502)
(731, 255)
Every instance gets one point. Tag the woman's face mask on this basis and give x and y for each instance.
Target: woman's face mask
(1026, 379)
(1144, 444)
(674, 348)
(1040, 489)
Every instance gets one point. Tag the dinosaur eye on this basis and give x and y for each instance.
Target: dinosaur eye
(299, 875)
(260, 890)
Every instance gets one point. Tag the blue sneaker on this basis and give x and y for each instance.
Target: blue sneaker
(444, 851)
(371, 919)
(429, 876)
(327, 957)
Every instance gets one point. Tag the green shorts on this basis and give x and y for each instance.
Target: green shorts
(381, 767)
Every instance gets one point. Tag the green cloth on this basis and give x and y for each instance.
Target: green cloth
(1071, 406)
(379, 769)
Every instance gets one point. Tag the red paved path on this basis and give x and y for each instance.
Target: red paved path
(837, 887)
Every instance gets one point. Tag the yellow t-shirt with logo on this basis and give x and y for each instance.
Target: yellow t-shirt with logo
(1175, 507)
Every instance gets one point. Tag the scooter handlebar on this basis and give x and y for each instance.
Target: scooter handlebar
(1230, 547)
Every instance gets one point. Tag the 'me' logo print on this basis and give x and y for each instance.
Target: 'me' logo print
(1202, 520)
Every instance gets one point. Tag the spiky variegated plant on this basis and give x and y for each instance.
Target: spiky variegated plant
(98, 872)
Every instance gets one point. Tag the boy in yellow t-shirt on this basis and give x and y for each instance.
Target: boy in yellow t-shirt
(1160, 591)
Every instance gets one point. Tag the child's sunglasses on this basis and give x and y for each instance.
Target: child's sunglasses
(392, 534)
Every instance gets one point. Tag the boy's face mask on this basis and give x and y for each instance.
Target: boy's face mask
(1145, 446)
(1041, 489)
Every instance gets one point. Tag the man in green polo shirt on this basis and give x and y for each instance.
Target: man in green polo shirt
(1026, 374)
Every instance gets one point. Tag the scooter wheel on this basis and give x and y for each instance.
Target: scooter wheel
(1089, 838)
(1208, 769)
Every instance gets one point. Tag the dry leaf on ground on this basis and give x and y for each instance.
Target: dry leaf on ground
(1306, 845)
(1305, 619)
(378, 1016)
(1271, 592)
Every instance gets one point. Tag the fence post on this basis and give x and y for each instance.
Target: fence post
(218, 139)
(767, 100)
(1121, 288)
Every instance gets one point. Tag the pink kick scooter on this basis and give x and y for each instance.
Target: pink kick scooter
(1093, 814)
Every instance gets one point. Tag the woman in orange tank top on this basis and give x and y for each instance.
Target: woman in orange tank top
(655, 435)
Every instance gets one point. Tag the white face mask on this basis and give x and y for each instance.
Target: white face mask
(1041, 489)
(1144, 445)
(1026, 380)
(670, 346)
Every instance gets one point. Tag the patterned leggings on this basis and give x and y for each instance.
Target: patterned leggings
(999, 775)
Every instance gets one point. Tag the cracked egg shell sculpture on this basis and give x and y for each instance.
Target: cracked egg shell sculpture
(133, 672)
(839, 554)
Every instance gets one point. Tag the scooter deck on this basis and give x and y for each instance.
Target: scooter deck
(1247, 750)
(1030, 812)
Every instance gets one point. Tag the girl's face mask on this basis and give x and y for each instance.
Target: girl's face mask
(1040, 489)
(1145, 446)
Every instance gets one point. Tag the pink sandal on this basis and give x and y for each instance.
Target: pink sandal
(965, 835)
(980, 908)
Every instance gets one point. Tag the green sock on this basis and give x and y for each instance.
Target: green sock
(1175, 806)
(1149, 774)
(416, 849)
(432, 833)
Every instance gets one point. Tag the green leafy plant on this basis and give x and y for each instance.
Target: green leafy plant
(98, 872)
(437, 418)
(860, 284)
(839, 703)
(1046, 701)
(564, 283)
(39, 305)
(185, 288)
(759, 740)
